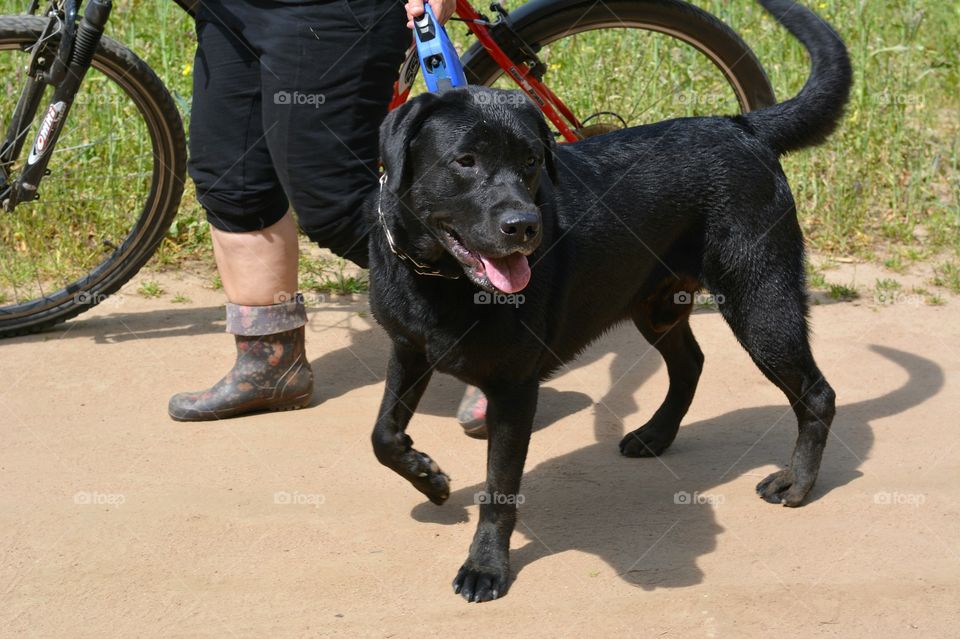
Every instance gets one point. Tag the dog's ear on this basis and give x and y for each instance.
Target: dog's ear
(397, 132)
(549, 149)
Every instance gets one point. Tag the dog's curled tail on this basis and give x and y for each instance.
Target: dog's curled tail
(809, 117)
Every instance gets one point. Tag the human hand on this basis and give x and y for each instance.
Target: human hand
(443, 9)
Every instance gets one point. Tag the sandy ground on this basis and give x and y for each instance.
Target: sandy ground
(119, 522)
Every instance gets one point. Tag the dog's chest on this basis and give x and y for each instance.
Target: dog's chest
(474, 340)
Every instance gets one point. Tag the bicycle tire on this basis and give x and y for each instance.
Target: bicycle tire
(168, 141)
(542, 22)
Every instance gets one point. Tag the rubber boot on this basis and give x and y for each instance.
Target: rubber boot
(271, 371)
(472, 413)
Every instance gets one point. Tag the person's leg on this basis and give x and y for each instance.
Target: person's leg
(323, 111)
(254, 237)
(326, 87)
(258, 268)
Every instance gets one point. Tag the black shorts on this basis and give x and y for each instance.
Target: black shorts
(287, 102)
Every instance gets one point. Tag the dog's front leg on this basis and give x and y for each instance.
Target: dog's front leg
(408, 374)
(486, 572)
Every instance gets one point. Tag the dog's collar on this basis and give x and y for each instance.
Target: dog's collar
(418, 268)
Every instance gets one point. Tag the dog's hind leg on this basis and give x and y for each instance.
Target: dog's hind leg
(664, 320)
(486, 572)
(764, 302)
(408, 374)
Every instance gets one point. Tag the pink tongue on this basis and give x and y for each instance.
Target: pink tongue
(509, 274)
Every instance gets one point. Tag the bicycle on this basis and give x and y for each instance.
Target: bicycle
(120, 112)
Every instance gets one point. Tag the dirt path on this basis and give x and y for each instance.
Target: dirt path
(118, 522)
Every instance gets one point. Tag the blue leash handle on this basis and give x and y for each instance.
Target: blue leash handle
(439, 61)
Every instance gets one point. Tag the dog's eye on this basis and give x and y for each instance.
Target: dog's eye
(466, 161)
(531, 162)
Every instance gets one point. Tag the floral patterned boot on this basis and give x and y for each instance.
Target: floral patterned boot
(271, 371)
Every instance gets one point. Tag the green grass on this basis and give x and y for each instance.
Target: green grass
(888, 285)
(330, 276)
(815, 276)
(930, 299)
(886, 186)
(842, 292)
(886, 291)
(947, 275)
(149, 288)
(888, 179)
(900, 258)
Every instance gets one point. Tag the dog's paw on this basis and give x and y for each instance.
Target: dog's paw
(482, 582)
(782, 487)
(426, 476)
(649, 440)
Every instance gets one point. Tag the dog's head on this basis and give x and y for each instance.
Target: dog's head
(466, 167)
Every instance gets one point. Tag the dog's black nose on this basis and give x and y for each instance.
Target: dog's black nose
(520, 226)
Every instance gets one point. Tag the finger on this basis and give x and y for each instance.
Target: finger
(414, 10)
(439, 10)
(447, 9)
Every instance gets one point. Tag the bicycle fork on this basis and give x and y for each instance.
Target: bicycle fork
(78, 43)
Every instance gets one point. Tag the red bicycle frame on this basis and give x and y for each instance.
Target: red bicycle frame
(552, 107)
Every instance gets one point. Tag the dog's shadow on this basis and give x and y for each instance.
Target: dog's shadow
(650, 519)
(625, 511)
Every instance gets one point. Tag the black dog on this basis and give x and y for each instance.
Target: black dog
(478, 200)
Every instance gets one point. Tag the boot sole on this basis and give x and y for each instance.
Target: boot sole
(476, 431)
(206, 416)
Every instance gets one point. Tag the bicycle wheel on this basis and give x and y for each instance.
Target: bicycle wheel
(622, 63)
(116, 177)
